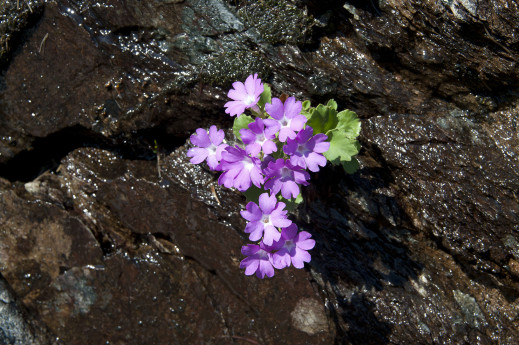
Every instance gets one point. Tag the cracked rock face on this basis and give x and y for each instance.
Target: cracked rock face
(109, 235)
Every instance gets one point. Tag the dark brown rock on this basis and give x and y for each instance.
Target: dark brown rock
(169, 252)
(419, 246)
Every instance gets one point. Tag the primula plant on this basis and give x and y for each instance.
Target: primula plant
(276, 145)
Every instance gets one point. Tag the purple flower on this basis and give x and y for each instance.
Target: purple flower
(239, 169)
(210, 147)
(258, 138)
(285, 177)
(293, 248)
(287, 115)
(264, 219)
(306, 151)
(244, 96)
(258, 261)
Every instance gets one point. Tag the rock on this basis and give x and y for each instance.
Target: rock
(17, 326)
(144, 243)
(108, 234)
(309, 317)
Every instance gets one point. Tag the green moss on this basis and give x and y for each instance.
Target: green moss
(233, 65)
(14, 17)
(277, 21)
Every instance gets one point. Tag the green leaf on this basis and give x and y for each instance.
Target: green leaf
(323, 119)
(266, 97)
(253, 193)
(342, 130)
(240, 122)
(342, 146)
(292, 204)
(279, 153)
(332, 104)
(307, 109)
(349, 166)
(349, 123)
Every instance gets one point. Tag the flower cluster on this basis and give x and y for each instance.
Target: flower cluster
(276, 150)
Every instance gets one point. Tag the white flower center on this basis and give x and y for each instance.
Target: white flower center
(249, 100)
(260, 139)
(211, 149)
(247, 164)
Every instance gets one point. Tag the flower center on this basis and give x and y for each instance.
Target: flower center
(289, 245)
(247, 164)
(262, 254)
(249, 100)
(301, 149)
(265, 219)
(211, 149)
(286, 173)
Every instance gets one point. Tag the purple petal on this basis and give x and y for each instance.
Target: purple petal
(251, 266)
(265, 268)
(300, 258)
(281, 259)
(257, 126)
(242, 182)
(306, 244)
(249, 249)
(273, 127)
(252, 213)
(298, 122)
(314, 160)
(290, 189)
(255, 229)
(234, 108)
(321, 147)
(227, 178)
(273, 185)
(216, 136)
(239, 92)
(270, 234)
(292, 107)
(267, 203)
(277, 245)
(301, 177)
(285, 133)
(201, 138)
(256, 177)
(198, 154)
(269, 147)
(281, 222)
(219, 150)
(290, 147)
(276, 109)
(247, 136)
(298, 161)
(290, 232)
(253, 149)
(250, 84)
(213, 162)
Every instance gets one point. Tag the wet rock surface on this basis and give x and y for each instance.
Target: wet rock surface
(107, 239)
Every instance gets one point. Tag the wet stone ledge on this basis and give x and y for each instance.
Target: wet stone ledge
(105, 237)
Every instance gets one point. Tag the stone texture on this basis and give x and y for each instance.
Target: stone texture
(105, 236)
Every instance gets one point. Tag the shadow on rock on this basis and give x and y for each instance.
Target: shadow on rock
(362, 251)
